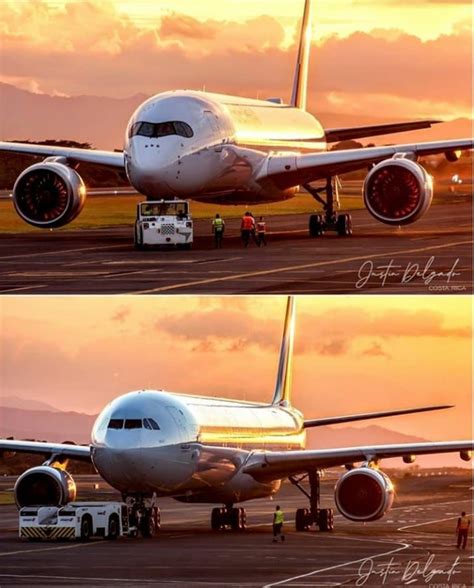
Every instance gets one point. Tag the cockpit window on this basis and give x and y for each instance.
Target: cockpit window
(151, 424)
(165, 129)
(115, 424)
(133, 424)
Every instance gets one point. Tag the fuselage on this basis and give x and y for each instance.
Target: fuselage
(210, 147)
(189, 447)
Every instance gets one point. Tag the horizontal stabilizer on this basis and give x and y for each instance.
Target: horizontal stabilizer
(370, 415)
(345, 134)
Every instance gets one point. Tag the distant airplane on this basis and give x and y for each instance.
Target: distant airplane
(153, 443)
(232, 150)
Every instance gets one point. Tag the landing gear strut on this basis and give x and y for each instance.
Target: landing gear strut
(331, 220)
(321, 517)
(235, 518)
(144, 515)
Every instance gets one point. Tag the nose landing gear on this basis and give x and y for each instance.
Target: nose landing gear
(144, 515)
(321, 517)
(235, 518)
(331, 220)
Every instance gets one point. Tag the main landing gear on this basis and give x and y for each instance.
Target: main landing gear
(144, 516)
(321, 517)
(228, 516)
(331, 220)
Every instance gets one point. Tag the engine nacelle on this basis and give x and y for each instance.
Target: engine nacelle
(364, 494)
(44, 486)
(48, 195)
(398, 191)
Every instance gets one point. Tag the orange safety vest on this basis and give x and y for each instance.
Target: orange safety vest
(261, 227)
(248, 223)
(463, 523)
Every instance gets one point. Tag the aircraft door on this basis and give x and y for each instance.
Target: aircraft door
(184, 435)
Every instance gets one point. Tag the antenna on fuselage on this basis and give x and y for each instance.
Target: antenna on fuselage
(282, 394)
(300, 83)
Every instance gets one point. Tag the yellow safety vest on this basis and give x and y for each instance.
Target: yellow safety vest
(464, 523)
(218, 224)
(279, 517)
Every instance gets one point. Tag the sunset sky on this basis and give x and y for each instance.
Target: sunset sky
(379, 57)
(353, 354)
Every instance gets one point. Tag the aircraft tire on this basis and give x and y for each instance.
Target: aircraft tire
(316, 225)
(344, 225)
(301, 519)
(326, 519)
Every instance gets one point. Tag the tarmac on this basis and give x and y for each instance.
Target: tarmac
(433, 255)
(414, 544)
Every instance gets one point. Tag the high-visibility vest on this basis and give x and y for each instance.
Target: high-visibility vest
(463, 523)
(248, 223)
(218, 224)
(261, 227)
(279, 517)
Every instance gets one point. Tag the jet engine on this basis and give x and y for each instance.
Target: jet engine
(44, 486)
(398, 191)
(364, 494)
(48, 195)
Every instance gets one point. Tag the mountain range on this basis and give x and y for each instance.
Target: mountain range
(101, 121)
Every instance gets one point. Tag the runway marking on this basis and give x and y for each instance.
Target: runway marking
(32, 287)
(82, 578)
(56, 548)
(301, 267)
(344, 564)
(59, 252)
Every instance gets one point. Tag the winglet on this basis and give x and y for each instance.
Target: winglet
(282, 394)
(300, 83)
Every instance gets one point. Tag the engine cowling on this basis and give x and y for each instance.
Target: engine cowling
(49, 195)
(364, 494)
(398, 191)
(44, 486)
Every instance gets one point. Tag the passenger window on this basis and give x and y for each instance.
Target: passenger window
(115, 424)
(133, 424)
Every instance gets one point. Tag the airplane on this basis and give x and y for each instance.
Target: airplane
(153, 443)
(224, 149)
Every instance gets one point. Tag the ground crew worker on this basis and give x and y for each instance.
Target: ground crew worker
(278, 520)
(247, 228)
(218, 227)
(261, 231)
(462, 530)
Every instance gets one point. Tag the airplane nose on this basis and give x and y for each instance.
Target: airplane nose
(152, 167)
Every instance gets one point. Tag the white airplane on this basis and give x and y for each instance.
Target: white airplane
(153, 443)
(233, 150)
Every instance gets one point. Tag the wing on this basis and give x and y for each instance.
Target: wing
(104, 158)
(77, 452)
(292, 169)
(347, 133)
(273, 465)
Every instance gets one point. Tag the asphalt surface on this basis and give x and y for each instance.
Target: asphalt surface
(433, 255)
(414, 544)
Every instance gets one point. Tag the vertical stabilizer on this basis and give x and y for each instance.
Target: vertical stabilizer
(300, 84)
(282, 394)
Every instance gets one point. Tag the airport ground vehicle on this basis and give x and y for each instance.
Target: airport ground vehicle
(163, 222)
(75, 520)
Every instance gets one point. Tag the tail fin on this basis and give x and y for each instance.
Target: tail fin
(282, 394)
(300, 83)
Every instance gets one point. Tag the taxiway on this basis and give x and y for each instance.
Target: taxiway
(431, 256)
(416, 541)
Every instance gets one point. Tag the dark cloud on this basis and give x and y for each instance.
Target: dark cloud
(334, 347)
(121, 314)
(376, 350)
